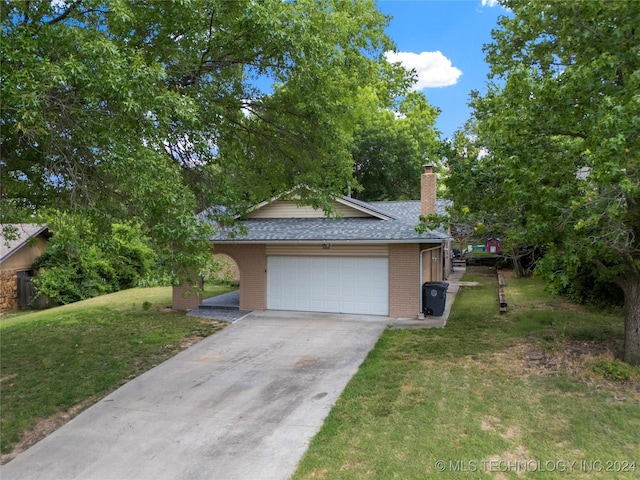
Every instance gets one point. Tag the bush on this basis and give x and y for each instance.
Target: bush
(613, 369)
(81, 262)
(580, 281)
(131, 256)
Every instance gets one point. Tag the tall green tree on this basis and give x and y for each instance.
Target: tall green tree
(391, 144)
(158, 109)
(561, 120)
(477, 182)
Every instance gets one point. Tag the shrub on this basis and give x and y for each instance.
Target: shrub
(580, 281)
(81, 262)
(613, 369)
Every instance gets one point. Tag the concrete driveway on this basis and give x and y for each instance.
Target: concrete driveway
(242, 404)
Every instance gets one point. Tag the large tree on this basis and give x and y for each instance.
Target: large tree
(561, 121)
(391, 145)
(158, 109)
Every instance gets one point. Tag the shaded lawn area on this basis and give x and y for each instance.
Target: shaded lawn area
(519, 395)
(56, 362)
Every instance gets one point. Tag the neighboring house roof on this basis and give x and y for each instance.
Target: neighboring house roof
(18, 235)
(386, 222)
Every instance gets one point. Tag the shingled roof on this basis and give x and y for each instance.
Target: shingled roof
(398, 226)
(18, 234)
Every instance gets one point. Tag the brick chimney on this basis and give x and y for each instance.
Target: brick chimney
(427, 191)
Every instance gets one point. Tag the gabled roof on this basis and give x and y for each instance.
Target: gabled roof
(23, 233)
(382, 222)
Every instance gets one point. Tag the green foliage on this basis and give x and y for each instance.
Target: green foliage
(81, 262)
(130, 254)
(390, 147)
(557, 130)
(158, 110)
(579, 280)
(612, 369)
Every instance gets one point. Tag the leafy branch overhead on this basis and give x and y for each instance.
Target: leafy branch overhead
(551, 157)
(158, 110)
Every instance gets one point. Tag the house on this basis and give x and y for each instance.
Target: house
(20, 246)
(367, 260)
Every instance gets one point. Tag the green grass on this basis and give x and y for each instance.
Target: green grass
(488, 394)
(53, 360)
(479, 254)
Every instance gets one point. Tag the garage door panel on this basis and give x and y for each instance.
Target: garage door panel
(328, 284)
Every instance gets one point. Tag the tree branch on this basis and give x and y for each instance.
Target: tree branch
(64, 14)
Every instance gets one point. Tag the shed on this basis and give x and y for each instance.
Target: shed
(20, 245)
(493, 245)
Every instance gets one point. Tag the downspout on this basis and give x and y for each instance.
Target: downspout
(420, 284)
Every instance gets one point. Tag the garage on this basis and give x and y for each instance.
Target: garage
(357, 285)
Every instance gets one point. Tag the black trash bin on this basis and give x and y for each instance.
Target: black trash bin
(434, 298)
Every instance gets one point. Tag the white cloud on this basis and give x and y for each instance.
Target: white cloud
(432, 69)
(490, 3)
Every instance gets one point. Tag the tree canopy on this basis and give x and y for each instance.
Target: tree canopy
(122, 109)
(391, 145)
(559, 126)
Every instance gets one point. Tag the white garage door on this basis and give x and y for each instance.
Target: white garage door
(328, 284)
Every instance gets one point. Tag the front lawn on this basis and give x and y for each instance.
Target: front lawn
(489, 396)
(56, 362)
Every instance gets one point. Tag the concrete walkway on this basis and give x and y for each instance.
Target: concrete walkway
(241, 404)
(230, 300)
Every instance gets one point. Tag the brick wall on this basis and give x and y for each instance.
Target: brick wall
(404, 280)
(252, 263)
(184, 299)
(428, 186)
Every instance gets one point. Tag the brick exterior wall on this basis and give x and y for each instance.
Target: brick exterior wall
(404, 279)
(428, 186)
(252, 264)
(182, 300)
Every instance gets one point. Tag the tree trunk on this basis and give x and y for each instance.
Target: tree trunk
(517, 266)
(631, 290)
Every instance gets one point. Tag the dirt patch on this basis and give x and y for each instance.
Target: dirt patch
(305, 362)
(493, 424)
(572, 358)
(190, 341)
(497, 464)
(45, 427)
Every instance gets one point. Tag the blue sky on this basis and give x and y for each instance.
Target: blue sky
(457, 29)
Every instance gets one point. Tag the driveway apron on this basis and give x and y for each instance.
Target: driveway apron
(241, 404)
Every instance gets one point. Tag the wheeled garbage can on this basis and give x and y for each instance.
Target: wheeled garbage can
(434, 298)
